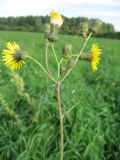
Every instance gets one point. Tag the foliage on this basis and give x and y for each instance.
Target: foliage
(112, 35)
(91, 130)
(36, 24)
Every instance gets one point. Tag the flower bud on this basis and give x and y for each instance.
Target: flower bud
(62, 70)
(47, 29)
(51, 32)
(95, 26)
(67, 51)
(52, 37)
(84, 28)
(70, 63)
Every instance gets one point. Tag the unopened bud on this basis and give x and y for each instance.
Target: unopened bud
(71, 63)
(63, 70)
(84, 28)
(51, 32)
(67, 51)
(52, 37)
(96, 25)
(47, 29)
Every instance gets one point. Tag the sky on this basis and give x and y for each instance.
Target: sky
(106, 10)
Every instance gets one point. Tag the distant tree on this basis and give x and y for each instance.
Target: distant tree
(36, 24)
(110, 27)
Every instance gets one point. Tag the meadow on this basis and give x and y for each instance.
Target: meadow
(29, 120)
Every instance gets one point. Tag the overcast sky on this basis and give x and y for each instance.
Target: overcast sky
(106, 10)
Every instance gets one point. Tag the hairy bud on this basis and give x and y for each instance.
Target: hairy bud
(52, 37)
(70, 64)
(67, 51)
(62, 70)
(84, 28)
(47, 29)
(51, 32)
(95, 26)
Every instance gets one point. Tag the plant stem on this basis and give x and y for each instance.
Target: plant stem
(79, 54)
(46, 58)
(61, 122)
(59, 67)
(81, 51)
(55, 53)
(66, 113)
(58, 63)
(40, 65)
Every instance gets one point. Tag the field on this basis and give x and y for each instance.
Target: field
(29, 120)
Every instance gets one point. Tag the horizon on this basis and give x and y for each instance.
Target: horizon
(106, 10)
(62, 15)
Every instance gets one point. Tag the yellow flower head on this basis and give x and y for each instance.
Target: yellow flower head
(95, 56)
(13, 57)
(56, 18)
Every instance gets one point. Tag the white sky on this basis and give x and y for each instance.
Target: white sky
(107, 10)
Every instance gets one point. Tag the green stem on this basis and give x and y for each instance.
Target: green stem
(40, 65)
(61, 122)
(79, 54)
(74, 55)
(66, 113)
(83, 47)
(58, 63)
(59, 67)
(46, 58)
(55, 53)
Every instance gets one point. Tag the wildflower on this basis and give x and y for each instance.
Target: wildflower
(95, 56)
(13, 57)
(56, 18)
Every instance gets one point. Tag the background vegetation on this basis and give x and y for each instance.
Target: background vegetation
(29, 120)
(71, 25)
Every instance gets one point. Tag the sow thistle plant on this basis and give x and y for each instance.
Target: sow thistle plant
(14, 57)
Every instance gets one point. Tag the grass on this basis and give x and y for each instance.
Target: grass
(29, 120)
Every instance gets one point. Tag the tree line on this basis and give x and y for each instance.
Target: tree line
(36, 24)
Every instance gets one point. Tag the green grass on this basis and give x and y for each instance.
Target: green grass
(32, 131)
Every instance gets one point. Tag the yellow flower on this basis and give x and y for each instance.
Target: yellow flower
(13, 57)
(56, 18)
(95, 56)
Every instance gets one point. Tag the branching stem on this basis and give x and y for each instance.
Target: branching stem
(58, 63)
(40, 65)
(79, 54)
(59, 67)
